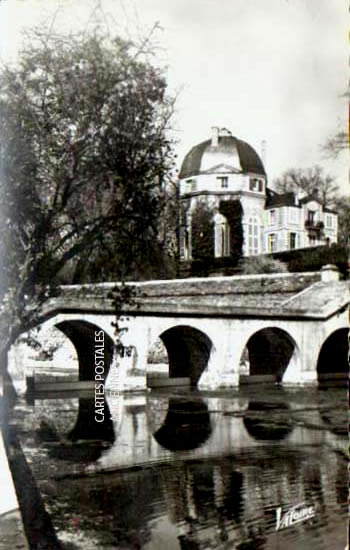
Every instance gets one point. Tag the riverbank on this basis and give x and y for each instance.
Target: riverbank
(11, 526)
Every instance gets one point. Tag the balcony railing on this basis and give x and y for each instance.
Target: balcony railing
(313, 225)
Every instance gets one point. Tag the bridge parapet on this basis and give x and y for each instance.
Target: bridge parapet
(276, 295)
(248, 284)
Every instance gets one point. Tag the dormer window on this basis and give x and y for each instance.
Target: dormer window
(223, 181)
(256, 184)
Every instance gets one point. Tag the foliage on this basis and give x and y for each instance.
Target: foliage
(311, 180)
(262, 264)
(84, 156)
(202, 231)
(233, 212)
(312, 259)
(206, 267)
(342, 207)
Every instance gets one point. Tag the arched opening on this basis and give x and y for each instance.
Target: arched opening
(188, 352)
(186, 425)
(42, 353)
(157, 362)
(332, 364)
(266, 356)
(93, 345)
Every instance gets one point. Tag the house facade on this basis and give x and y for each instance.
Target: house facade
(223, 170)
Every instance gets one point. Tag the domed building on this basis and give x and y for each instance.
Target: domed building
(225, 204)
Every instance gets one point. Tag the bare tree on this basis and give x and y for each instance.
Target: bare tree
(342, 207)
(340, 140)
(310, 180)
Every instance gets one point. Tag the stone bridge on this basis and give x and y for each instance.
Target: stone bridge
(217, 331)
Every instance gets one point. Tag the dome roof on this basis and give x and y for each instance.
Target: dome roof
(222, 149)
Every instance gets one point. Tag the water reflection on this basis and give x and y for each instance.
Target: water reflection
(335, 422)
(86, 441)
(210, 492)
(194, 472)
(267, 421)
(186, 426)
(205, 504)
(86, 428)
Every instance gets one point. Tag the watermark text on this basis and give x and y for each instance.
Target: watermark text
(296, 514)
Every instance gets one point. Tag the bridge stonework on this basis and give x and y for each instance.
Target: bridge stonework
(210, 322)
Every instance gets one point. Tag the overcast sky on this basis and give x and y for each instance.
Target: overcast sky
(269, 70)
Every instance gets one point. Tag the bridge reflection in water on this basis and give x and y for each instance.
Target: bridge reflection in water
(193, 472)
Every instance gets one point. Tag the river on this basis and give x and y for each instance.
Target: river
(186, 470)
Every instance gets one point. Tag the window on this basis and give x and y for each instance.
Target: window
(294, 215)
(329, 221)
(225, 239)
(272, 242)
(310, 217)
(223, 180)
(253, 236)
(280, 216)
(256, 185)
(272, 217)
(292, 240)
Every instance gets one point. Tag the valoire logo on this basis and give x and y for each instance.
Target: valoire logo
(297, 514)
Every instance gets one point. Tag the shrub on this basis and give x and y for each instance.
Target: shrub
(312, 259)
(233, 212)
(202, 232)
(262, 264)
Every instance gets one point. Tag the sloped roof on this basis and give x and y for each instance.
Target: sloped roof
(274, 199)
(283, 199)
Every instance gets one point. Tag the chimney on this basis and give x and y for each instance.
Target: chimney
(214, 136)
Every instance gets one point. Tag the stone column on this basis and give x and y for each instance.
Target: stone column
(222, 370)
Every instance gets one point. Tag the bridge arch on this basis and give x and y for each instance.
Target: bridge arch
(270, 351)
(93, 345)
(188, 351)
(333, 356)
